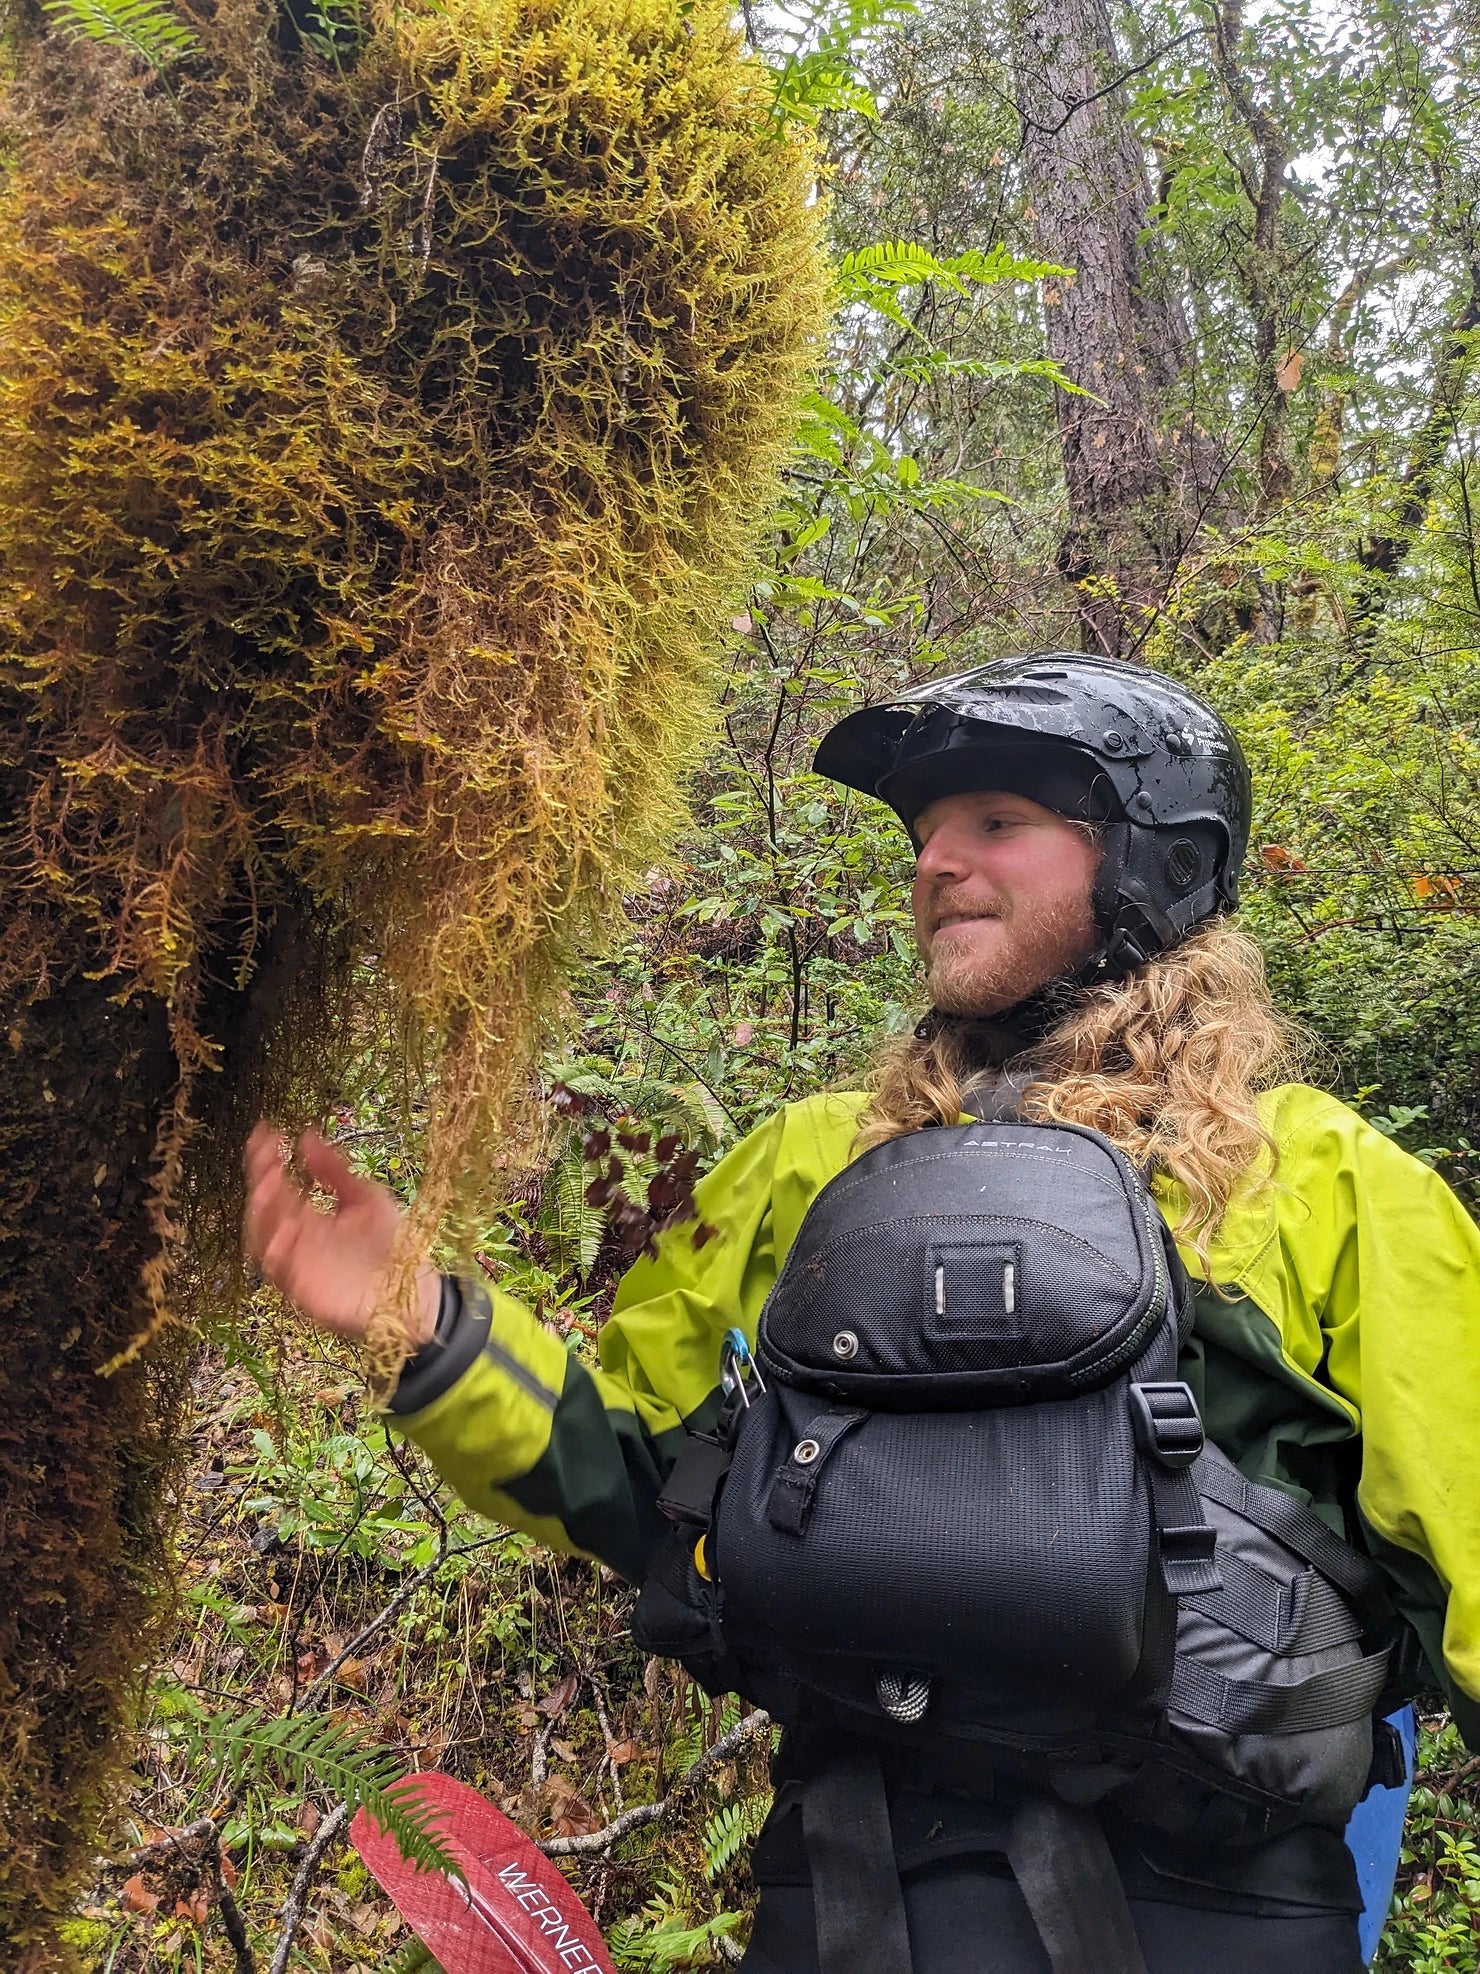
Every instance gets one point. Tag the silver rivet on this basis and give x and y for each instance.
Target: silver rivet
(805, 1452)
(845, 1344)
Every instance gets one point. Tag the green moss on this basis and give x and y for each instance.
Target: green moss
(379, 454)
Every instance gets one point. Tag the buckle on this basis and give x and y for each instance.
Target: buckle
(1167, 1424)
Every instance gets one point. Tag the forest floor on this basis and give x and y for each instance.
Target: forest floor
(334, 1600)
(314, 1614)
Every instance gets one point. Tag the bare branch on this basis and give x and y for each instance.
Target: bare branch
(297, 1899)
(597, 1841)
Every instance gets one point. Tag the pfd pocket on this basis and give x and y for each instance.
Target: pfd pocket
(1005, 1540)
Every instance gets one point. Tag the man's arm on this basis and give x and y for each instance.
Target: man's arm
(1389, 1260)
(576, 1456)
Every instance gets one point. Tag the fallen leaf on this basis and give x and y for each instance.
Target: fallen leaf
(197, 1908)
(622, 1752)
(744, 1033)
(1287, 372)
(559, 1696)
(352, 1673)
(308, 1819)
(565, 1751)
(527, 1717)
(135, 1896)
(364, 1918)
(228, 1872)
(570, 1814)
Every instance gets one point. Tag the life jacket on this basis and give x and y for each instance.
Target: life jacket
(959, 1500)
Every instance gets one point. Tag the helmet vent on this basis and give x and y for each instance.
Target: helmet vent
(1023, 695)
(1183, 866)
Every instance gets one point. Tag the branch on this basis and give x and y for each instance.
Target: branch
(1074, 104)
(313, 1857)
(602, 1840)
(171, 1846)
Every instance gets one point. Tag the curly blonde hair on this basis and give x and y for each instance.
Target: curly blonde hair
(1167, 1063)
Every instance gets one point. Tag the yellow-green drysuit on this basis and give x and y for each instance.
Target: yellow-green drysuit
(1341, 1360)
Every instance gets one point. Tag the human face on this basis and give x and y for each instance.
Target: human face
(1001, 899)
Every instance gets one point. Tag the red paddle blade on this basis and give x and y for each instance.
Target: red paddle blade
(514, 1914)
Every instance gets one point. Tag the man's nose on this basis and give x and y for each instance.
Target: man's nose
(943, 857)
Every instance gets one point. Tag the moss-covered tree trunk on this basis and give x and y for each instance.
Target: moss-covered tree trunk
(384, 431)
(83, 1459)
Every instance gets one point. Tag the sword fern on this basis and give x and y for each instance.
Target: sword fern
(150, 28)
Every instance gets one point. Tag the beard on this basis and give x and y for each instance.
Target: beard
(1058, 939)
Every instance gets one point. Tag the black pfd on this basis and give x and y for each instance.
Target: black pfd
(961, 1502)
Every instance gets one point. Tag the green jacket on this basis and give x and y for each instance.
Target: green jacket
(1341, 1360)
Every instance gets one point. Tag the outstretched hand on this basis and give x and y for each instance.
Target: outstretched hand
(333, 1265)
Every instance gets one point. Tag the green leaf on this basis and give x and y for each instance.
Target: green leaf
(150, 28)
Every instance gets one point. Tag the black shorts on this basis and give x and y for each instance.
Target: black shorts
(1286, 1907)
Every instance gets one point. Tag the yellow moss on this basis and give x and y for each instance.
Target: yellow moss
(379, 455)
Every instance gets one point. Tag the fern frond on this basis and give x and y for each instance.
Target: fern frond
(151, 28)
(729, 1830)
(572, 1227)
(670, 1944)
(327, 1754)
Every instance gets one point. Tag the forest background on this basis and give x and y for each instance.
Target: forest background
(1156, 334)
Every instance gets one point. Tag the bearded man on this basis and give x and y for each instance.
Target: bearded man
(1081, 1543)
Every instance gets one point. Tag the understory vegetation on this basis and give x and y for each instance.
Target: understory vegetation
(1291, 328)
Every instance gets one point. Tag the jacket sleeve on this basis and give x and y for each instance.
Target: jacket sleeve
(1389, 1260)
(530, 1436)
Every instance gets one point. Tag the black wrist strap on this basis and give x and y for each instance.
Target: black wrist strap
(464, 1316)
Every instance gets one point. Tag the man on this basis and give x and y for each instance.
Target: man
(1079, 827)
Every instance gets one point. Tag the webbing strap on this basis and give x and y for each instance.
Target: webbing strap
(1334, 1698)
(1071, 1886)
(1189, 1563)
(794, 1483)
(1306, 1616)
(1322, 1616)
(855, 1881)
(1290, 1522)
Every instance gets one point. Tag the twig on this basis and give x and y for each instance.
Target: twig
(231, 1918)
(236, 1931)
(608, 1738)
(633, 1819)
(539, 1756)
(163, 1847)
(313, 1857)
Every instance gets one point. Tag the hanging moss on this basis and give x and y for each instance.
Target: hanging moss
(379, 455)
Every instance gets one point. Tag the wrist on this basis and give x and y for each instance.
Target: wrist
(459, 1334)
(429, 1305)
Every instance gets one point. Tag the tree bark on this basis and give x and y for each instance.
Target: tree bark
(1115, 328)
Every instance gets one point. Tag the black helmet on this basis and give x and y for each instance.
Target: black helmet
(1105, 742)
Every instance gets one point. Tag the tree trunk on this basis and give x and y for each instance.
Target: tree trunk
(1114, 328)
(83, 1457)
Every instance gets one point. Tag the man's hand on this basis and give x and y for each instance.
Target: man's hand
(332, 1265)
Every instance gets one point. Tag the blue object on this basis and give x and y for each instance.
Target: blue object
(1375, 1836)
